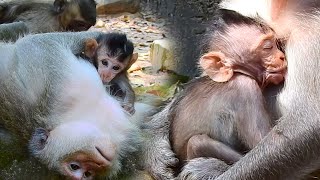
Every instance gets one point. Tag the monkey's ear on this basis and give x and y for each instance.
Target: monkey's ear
(38, 140)
(59, 5)
(133, 59)
(214, 67)
(90, 47)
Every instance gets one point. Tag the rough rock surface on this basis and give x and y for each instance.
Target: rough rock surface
(161, 55)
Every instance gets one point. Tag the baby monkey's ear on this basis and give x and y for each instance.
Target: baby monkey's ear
(90, 48)
(213, 64)
(133, 59)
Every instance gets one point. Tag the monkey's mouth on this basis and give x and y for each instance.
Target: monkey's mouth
(278, 70)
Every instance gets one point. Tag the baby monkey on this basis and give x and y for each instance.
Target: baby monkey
(112, 55)
(223, 114)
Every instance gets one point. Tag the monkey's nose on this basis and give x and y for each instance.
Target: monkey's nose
(281, 56)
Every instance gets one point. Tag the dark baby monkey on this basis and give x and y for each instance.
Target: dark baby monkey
(112, 55)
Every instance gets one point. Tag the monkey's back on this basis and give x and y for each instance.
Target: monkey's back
(31, 13)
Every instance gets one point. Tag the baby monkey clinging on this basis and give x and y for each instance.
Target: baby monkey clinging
(112, 55)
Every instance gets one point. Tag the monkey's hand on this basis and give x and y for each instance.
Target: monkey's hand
(129, 107)
(203, 168)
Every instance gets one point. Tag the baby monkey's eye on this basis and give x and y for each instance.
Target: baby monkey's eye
(116, 68)
(105, 63)
(268, 44)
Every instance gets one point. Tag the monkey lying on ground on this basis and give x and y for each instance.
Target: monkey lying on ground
(40, 17)
(221, 115)
(56, 104)
(112, 55)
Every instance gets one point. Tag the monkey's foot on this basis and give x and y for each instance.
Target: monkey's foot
(160, 159)
(203, 168)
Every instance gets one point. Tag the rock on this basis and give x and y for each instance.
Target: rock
(134, 67)
(117, 6)
(161, 55)
(100, 24)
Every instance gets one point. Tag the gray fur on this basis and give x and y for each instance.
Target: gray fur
(20, 97)
(25, 11)
(13, 31)
(42, 17)
(203, 168)
(33, 72)
(158, 156)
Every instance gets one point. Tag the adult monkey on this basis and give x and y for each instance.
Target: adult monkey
(41, 17)
(291, 149)
(49, 92)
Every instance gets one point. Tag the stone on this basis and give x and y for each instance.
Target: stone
(161, 55)
(117, 6)
(100, 24)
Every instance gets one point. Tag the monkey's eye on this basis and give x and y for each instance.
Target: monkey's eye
(74, 167)
(116, 68)
(87, 174)
(105, 63)
(268, 44)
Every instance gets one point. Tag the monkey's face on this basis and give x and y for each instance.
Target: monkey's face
(256, 55)
(259, 53)
(78, 15)
(109, 67)
(78, 150)
(271, 58)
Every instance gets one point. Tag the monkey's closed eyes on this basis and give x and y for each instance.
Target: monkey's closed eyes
(268, 44)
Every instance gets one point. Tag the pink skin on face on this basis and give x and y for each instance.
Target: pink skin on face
(108, 69)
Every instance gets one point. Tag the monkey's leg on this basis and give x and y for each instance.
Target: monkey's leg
(204, 146)
(12, 31)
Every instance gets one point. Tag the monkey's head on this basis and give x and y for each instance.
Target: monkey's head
(112, 54)
(243, 45)
(76, 15)
(85, 148)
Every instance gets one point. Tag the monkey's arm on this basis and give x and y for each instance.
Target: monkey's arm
(12, 31)
(158, 156)
(75, 41)
(123, 82)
